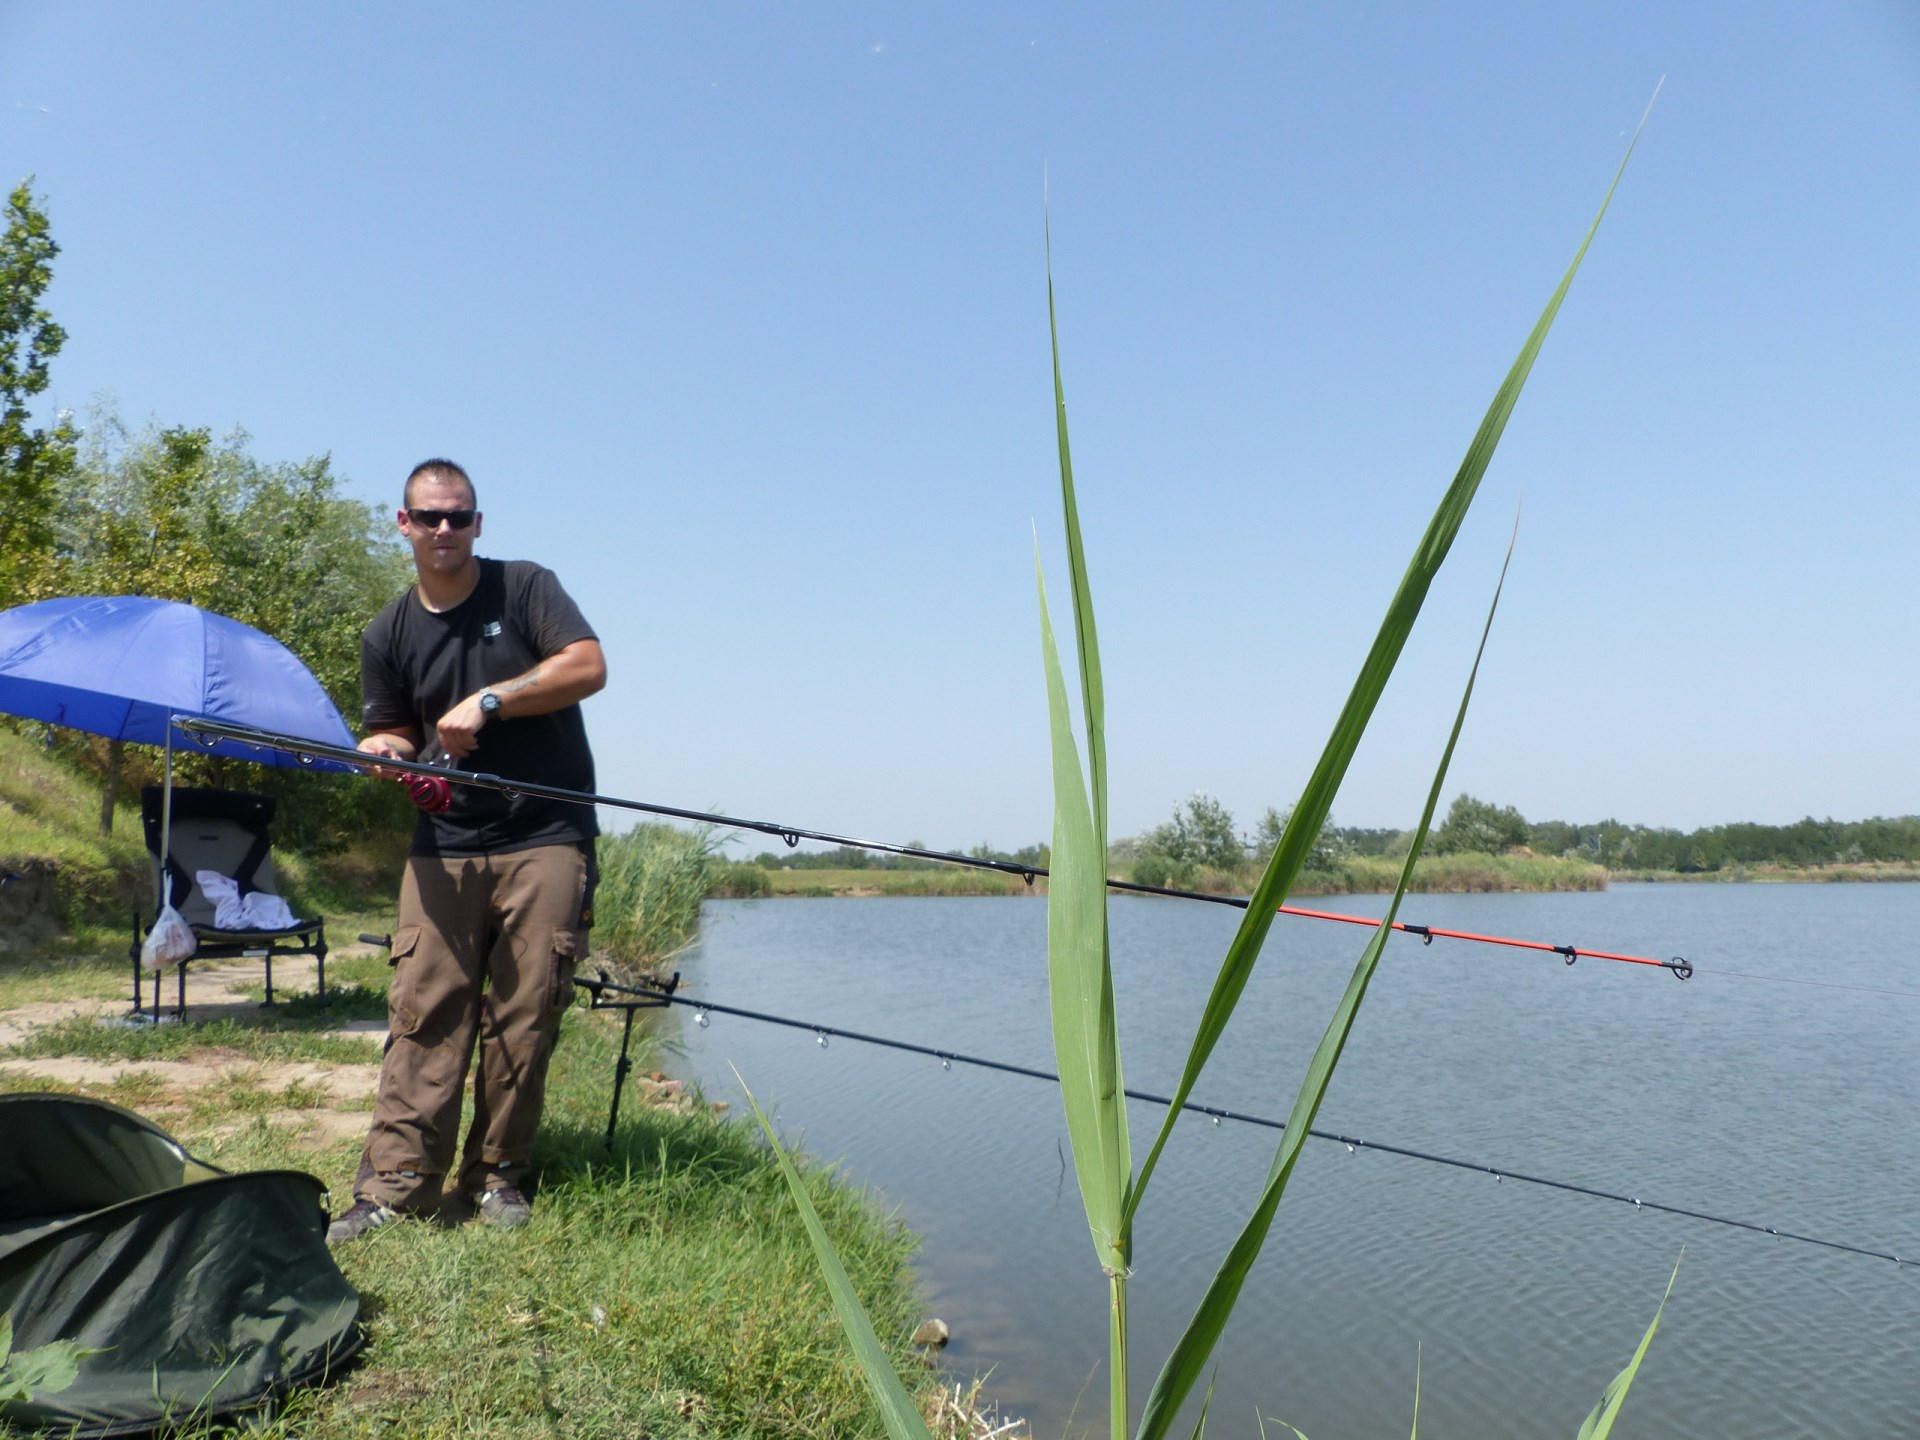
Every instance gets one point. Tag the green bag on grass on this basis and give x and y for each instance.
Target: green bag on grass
(199, 1293)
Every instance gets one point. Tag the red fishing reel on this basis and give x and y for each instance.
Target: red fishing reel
(432, 793)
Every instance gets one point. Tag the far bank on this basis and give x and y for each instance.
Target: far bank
(1441, 875)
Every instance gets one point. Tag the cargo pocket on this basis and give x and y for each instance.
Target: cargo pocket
(403, 1006)
(589, 885)
(569, 949)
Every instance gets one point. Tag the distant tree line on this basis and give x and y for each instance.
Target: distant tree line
(169, 511)
(1201, 839)
(1805, 843)
(1201, 836)
(1475, 825)
(847, 857)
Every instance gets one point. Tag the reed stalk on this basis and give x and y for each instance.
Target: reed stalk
(1079, 961)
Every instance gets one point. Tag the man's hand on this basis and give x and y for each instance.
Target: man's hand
(460, 727)
(563, 678)
(388, 743)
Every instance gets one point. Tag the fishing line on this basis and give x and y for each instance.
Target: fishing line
(664, 993)
(308, 751)
(1817, 984)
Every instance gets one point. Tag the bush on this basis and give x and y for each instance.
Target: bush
(652, 880)
(738, 880)
(1477, 827)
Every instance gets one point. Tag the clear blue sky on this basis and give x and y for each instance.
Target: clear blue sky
(737, 314)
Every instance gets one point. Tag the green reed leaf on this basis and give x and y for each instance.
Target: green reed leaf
(1599, 1424)
(1261, 1421)
(1079, 955)
(1080, 979)
(1092, 691)
(1206, 1404)
(897, 1410)
(1316, 800)
(1191, 1352)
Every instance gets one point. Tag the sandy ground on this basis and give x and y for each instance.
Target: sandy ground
(214, 991)
(219, 990)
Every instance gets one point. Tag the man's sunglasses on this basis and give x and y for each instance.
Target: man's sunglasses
(430, 519)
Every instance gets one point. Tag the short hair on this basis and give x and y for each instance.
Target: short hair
(443, 470)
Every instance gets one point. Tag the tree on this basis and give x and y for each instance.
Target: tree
(139, 517)
(1199, 835)
(34, 461)
(173, 514)
(1474, 825)
(1329, 847)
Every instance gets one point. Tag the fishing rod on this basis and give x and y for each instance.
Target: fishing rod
(432, 796)
(654, 994)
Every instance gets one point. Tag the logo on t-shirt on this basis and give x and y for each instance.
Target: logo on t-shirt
(490, 630)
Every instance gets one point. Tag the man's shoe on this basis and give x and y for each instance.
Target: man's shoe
(363, 1217)
(504, 1208)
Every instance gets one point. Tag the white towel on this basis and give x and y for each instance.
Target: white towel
(266, 912)
(223, 893)
(234, 911)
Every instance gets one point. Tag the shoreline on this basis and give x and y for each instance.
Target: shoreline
(1488, 877)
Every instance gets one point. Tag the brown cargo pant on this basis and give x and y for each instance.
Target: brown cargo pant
(484, 948)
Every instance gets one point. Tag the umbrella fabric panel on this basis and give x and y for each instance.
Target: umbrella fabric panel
(120, 665)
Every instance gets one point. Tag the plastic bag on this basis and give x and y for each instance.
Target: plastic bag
(169, 941)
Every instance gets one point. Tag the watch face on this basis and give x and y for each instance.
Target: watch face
(489, 702)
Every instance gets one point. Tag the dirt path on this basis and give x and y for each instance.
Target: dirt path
(336, 1094)
(215, 991)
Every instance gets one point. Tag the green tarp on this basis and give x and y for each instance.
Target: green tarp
(201, 1293)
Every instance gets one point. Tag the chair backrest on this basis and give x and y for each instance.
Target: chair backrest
(224, 830)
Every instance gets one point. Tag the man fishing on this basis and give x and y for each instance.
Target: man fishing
(482, 663)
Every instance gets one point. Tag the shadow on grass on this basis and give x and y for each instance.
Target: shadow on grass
(340, 1004)
(653, 1143)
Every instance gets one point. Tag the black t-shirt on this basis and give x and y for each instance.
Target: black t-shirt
(416, 665)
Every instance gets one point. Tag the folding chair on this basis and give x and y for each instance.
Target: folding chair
(229, 832)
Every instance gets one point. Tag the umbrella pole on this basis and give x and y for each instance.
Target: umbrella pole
(166, 813)
(166, 856)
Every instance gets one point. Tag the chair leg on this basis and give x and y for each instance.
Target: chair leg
(269, 975)
(133, 954)
(320, 960)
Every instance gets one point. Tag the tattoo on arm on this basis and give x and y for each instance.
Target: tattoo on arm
(528, 681)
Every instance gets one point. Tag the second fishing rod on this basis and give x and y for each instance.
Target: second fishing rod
(313, 752)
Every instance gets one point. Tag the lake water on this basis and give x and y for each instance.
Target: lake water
(1789, 1104)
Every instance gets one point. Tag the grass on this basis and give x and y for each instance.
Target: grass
(664, 1289)
(1844, 872)
(1358, 875)
(652, 880)
(82, 965)
(50, 827)
(822, 883)
(1471, 874)
(275, 1039)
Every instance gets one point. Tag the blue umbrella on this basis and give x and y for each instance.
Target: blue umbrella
(123, 665)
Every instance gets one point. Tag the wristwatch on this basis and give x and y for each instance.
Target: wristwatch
(489, 704)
